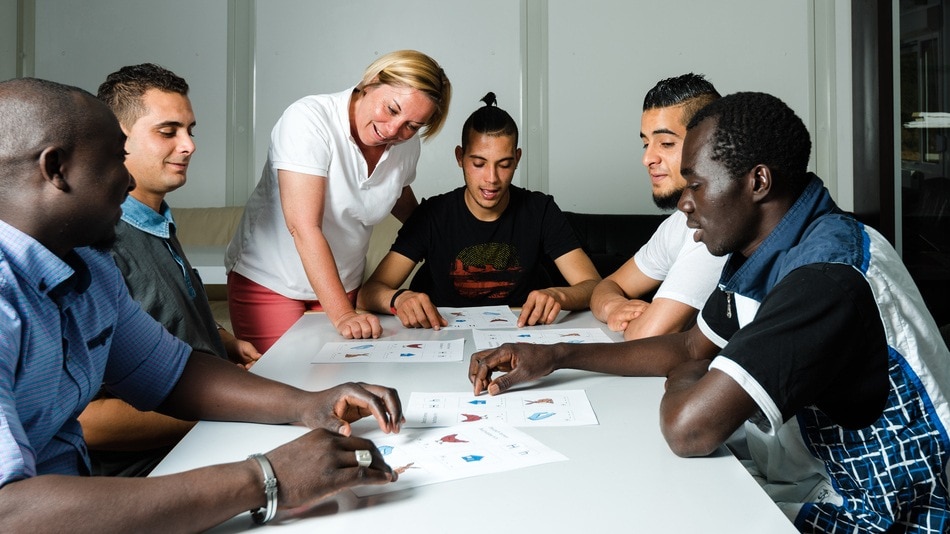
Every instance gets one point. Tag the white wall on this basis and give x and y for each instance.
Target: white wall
(79, 43)
(601, 57)
(305, 47)
(8, 38)
(605, 55)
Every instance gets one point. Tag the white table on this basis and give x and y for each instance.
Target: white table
(620, 476)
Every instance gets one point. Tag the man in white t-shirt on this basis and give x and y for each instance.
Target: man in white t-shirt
(681, 271)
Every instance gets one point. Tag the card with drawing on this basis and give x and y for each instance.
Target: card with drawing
(529, 408)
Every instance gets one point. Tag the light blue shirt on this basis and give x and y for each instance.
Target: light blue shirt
(68, 327)
(161, 225)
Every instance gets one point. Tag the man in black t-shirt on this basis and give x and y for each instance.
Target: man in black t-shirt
(483, 243)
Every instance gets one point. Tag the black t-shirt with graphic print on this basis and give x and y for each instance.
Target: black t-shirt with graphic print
(469, 262)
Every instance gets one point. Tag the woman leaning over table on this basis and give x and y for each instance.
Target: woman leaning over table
(337, 165)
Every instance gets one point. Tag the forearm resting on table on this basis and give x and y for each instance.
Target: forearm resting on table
(213, 389)
(606, 295)
(114, 425)
(662, 316)
(646, 357)
(701, 409)
(191, 501)
(577, 296)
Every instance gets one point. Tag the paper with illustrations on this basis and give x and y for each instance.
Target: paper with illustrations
(449, 350)
(493, 338)
(428, 456)
(519, 408)
(484, 317)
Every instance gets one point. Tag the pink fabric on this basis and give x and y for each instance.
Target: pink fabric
(260, 316)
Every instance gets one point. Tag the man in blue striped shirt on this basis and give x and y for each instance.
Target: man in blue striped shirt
(69, 326)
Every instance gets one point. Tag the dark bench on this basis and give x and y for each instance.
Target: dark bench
(609, 240)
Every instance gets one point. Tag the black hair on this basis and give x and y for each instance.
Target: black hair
(34, 111)
(693, 91)
(123, 89)
(758, 129)
(35, 114)
(489, 120)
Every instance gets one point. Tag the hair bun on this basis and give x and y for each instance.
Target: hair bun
(489, 99)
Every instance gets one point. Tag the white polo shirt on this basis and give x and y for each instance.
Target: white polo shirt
(313, 137)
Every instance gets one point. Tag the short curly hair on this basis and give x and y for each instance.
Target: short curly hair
(123, 89)
(758, 129)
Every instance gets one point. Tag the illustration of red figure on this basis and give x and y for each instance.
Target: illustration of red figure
(351, 355)
(413, 345)
(403, 469)
(539, 401)
(470, 417)
(451, 438)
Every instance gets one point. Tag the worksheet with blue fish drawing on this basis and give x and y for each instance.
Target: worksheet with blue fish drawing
(485, 317)
(491, 339)
(449, 350)
(569, 407)
(431, 455)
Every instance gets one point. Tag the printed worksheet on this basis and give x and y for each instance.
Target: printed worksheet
(494, 338)
(427, 456)
(391, 351)
(519, 408)
(484, 317)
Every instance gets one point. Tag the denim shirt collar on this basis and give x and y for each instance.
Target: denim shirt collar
(146, 219)
(754, 275)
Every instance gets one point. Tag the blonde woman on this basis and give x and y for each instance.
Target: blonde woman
(337, 165)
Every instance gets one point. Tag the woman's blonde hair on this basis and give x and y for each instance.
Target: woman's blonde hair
(410, 68)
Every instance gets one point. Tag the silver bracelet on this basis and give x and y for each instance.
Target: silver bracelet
(261, 515)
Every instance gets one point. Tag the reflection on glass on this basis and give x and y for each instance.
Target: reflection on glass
(924, 126)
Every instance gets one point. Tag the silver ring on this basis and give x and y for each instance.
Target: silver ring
(363, 458)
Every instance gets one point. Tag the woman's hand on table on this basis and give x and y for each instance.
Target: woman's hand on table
(520, 362)
(335, 408)
(353, 325)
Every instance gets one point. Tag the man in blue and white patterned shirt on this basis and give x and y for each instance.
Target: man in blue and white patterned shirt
(816, 339)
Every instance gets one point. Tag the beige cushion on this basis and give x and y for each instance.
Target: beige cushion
(207, 227)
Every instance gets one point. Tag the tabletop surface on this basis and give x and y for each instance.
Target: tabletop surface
(620, 474)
